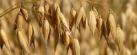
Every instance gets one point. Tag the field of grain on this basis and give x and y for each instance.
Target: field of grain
(68, 27)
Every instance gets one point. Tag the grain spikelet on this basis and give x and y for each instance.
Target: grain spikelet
(30, 32)
(120, 38)
(112, 31)
(75, 47)
(36, 29)
(20, 20)
(5, 34)
(41, 9)
(112, 24)
(46, 29)
(24, 13)
(23, 40)
(79, 17)
(62, 18)
(109, 32)
(5, 38)
(99, 25)
(73, 16)
(95, 12)
(123, 20)
(46, 8)
(6, 51)
(66, 39)
(99, 22)
(73, 13)
(120, 35)
(92, 22)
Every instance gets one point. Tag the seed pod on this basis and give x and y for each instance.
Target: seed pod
(75, 47)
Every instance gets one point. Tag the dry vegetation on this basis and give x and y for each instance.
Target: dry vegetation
(68, 27)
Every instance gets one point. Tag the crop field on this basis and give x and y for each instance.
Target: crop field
(68, 27)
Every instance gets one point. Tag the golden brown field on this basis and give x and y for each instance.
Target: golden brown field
(68, 27)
